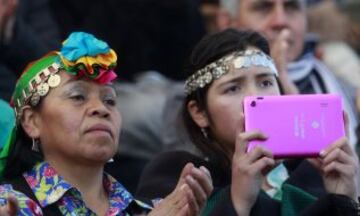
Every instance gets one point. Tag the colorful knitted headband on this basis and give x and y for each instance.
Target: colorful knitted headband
(82, 55)
(239, 59)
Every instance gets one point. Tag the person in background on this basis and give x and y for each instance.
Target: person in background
(27, 32)
(209, 10)
(335, 48)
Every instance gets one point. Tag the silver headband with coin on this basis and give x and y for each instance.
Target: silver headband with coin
(38, 87)
(239, 60)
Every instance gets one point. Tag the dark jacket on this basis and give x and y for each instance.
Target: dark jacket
(161, 175)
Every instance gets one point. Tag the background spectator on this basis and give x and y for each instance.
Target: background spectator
(28, 31)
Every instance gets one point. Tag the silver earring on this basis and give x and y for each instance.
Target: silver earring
(110, 160)
(35, 145)
(204, 132)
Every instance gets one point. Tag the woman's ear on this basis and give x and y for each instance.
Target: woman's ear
(198, 115)
(29, 122)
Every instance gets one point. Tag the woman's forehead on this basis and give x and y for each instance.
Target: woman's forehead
(67, 79)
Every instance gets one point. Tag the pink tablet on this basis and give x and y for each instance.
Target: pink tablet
(297, 125)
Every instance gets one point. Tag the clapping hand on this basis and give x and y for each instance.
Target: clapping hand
(189, 196)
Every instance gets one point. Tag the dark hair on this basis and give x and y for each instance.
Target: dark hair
(210, 49)
(213, 2)
(21, 157)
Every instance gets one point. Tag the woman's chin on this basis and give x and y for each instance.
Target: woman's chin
(99, 157)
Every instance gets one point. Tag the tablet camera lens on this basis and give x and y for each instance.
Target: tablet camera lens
(253, 103)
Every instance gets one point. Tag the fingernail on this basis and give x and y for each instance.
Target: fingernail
(204, 169)
(322, 153)
(190, 164)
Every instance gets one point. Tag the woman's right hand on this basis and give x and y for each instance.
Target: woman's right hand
(10, 209)
(190, 195)
(248, 171)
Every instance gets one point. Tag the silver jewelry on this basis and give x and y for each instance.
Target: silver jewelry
(38, 87)
(238, 59)
(205, 133)
(35, 145)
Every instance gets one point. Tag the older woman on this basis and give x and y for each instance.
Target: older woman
(67, 128)
(224, 68)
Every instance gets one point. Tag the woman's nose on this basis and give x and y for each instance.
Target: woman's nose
(252, 91)
(98, 108)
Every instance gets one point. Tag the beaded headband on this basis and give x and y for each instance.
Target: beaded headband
(239, 59)
(36, 82)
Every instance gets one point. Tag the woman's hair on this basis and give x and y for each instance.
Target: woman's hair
(21, 157)
(208, 50)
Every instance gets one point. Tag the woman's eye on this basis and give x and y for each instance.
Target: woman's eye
(78, 97)
(110, 101)
(232, 89)
(267, 83)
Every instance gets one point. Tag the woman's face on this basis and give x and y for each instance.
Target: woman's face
(224, 116)
(79, 120)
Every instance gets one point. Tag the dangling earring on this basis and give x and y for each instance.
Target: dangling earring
(35, 145)
(204, 132)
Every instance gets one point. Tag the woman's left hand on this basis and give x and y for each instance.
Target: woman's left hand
(339, 166)
(190, 195)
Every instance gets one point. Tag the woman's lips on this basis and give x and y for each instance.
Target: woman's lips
(100, 129)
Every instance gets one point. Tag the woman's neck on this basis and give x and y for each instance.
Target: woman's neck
(87, 178)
